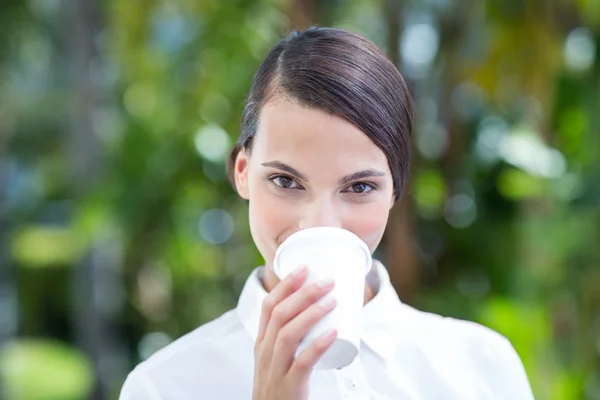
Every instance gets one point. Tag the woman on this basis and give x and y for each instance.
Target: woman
(325, 142)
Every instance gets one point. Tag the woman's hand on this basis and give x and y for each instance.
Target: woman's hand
(289, 312)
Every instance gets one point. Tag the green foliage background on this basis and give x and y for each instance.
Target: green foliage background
(119, 231)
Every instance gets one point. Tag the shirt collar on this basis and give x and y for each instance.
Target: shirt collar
(250, 302)
(381, 319)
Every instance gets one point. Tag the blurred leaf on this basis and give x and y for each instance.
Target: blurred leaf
(43, 369)
(518, 185)
(429, 192)
(43, 246)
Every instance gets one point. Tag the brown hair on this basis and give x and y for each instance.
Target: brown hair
(345, 75)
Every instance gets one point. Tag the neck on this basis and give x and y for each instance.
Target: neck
(271, 280)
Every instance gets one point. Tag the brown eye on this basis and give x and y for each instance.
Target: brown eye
(283, 182)
(360, 188)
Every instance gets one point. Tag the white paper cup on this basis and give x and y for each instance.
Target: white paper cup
(338, 254)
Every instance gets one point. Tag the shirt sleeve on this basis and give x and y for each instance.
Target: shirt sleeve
(138, 386)
(511, 376)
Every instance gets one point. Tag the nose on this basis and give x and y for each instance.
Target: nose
(320, 212)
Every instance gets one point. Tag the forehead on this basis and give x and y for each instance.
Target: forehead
(290, 132)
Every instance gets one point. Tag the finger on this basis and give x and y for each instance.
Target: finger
(288, 285)
(293, 305)
(293, 332)
(303, 364)
(288, 309)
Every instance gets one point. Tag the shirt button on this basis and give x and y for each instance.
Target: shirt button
(352, 384)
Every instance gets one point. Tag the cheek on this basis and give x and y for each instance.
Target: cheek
(368, 223)
(269, 215)
(270, 219)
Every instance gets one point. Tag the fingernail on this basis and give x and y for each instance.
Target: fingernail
(300, 270)
(329, 334)
(322, 283)
(327, 302)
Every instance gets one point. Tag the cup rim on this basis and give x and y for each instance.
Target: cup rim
(332, 233)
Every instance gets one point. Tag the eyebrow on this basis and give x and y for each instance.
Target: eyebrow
(367, 173)
(286, 168)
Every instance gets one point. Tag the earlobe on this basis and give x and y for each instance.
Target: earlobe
(240, 173)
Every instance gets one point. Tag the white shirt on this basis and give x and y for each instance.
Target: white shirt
(404, 354)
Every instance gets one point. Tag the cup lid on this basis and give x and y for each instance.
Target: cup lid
(323, 234)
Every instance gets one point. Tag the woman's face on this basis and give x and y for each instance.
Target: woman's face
(308, 169)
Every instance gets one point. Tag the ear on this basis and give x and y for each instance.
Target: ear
(240, 174)
(393, 200)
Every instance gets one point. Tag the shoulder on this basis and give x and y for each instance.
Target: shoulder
(212, 336)
(195, 362)
(474, 349)
(456, 336)
(457, 331)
